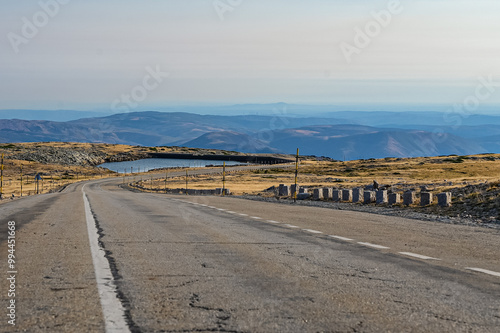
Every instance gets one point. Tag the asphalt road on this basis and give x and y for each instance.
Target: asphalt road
(205, 264)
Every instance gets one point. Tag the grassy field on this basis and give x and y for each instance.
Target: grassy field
(477, 175)
(437, 173)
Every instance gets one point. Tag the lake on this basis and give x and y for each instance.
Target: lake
(158, 163)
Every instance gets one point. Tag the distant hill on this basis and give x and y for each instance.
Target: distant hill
(334, 137)
(233, 141)
(343, 141)
(59, 115)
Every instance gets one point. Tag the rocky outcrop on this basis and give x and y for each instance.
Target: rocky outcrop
(73, 156)
(63, 156)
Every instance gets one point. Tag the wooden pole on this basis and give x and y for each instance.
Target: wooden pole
(223, 178)
(1, 180)
(21, 180)
(166, 176)
(296, 175)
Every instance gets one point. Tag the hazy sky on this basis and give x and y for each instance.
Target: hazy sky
(101, 54)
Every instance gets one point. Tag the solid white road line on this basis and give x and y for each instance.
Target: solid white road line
(374, 245)
(485, 271)
(341, 238)
(419, 256)
(112, 308)
(313, 231)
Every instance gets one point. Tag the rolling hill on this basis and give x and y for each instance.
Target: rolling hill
(333, 137)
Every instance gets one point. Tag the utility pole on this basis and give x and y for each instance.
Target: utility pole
(21, 180)
(1, 180)
(166, 176)
(223, 178)
(186, 182)
(296, 175)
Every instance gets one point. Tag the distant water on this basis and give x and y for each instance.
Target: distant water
(158, 163)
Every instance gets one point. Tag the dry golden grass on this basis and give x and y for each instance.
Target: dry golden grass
(435, 172)
(412, 172)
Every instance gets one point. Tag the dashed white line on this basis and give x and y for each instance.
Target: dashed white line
(419, 256)
(211, 207)
(256, 217)
(272, 221)
(341, 238)
(313, 231)
(290, 225)
(231, 212)
(485, 271)
(376, 246)
(241, 214)
(221, 209)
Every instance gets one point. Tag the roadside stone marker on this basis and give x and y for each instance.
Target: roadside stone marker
(283, 190)
(327, 193)
(368, 197)
(318, 194)
(425, 198)
(381, 197)
(394, 198)
(408, 198)
(336, 195)
(444, 199)
(356, 195)
(347, 195)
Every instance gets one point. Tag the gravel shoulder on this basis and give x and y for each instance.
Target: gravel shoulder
(409, 213)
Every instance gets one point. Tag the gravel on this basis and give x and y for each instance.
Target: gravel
(409, 213)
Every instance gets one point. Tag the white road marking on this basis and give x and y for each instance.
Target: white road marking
(211, 207)
(290, 225)
(112, 308)
(374, 245)
(272, 221)
(418, 256)
(485, 271)
(341, 238)
(242, 214)
(231, 212)
(313, 231)
(221, 209)
(256, 217)
(203, 205)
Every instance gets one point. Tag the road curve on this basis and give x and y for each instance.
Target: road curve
(204, 264)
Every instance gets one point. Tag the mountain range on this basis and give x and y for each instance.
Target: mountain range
(339, 135)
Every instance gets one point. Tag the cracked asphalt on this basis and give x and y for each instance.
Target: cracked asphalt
(222, 264)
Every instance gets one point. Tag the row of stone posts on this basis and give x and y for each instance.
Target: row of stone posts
(357, 195)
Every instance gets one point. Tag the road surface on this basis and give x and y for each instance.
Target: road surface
(97, 257)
